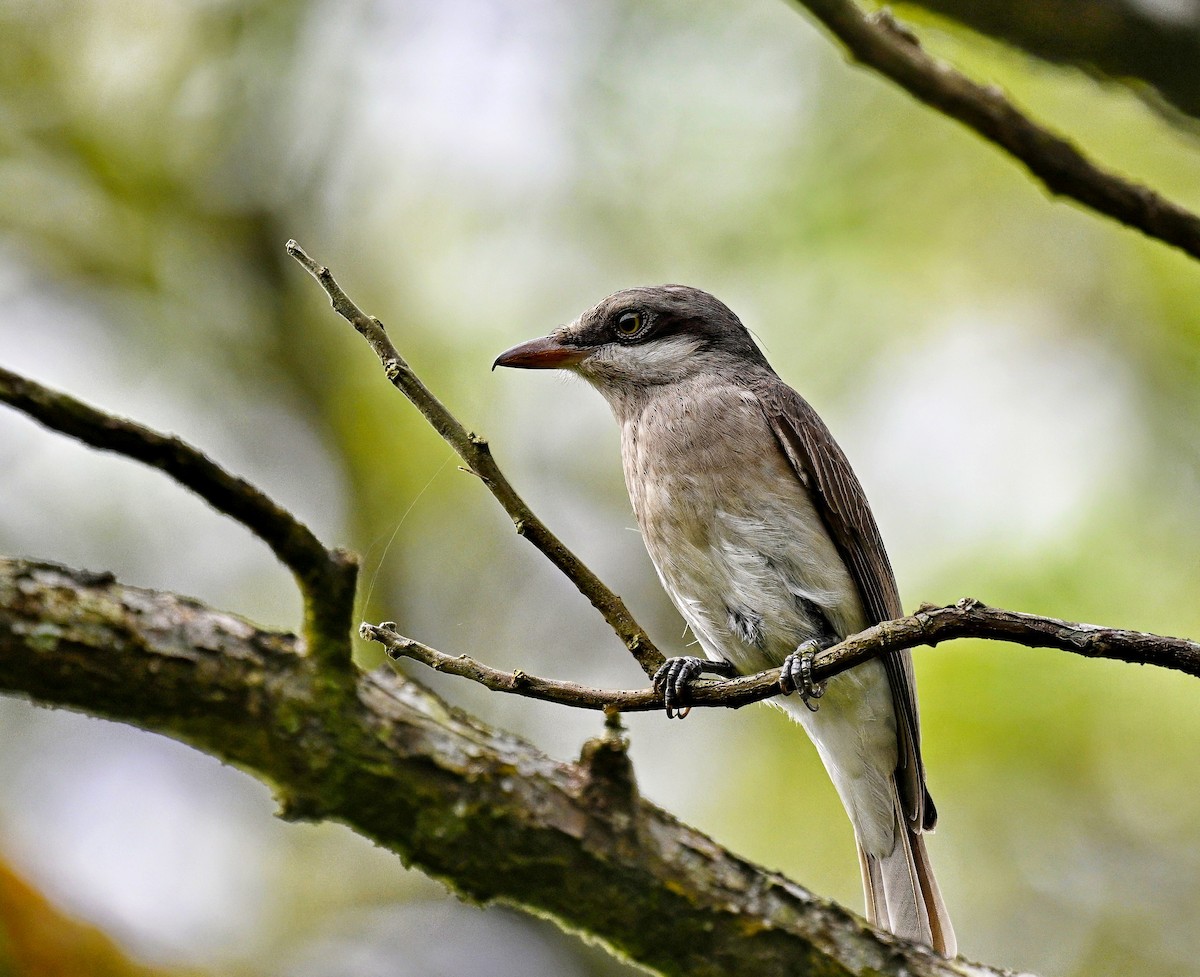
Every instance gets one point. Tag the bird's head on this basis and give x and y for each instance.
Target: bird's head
(644, 337)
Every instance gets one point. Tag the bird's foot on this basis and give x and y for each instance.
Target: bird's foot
(796, 675)
(676, 674)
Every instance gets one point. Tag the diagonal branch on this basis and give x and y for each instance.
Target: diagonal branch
(929, 626)
(477, 456)
(881, 43)
(482, 810)
(1129, 41)
(326, 577)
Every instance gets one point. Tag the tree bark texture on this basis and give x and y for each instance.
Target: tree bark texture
(481, 810)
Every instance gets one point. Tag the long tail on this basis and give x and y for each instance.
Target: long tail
(902, 894)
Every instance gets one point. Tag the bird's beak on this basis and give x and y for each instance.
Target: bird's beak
(546, 353)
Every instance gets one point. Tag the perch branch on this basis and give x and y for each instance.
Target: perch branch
(879, 42)
(326, 577)
(929, 626)
(477, 456)
(481, 810)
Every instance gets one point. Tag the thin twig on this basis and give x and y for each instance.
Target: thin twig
(326, 577)
(518, 682)
(477, 457)
(891, 49)
(929, 626)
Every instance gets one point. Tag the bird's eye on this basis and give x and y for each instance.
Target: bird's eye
(628, 324)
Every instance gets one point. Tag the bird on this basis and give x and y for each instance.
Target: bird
(762, 536)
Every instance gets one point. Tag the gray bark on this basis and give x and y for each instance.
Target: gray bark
(479, 809)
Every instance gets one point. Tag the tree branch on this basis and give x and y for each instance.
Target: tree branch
(326, 578)
(1121, 39)
(481, 810)
(477, 456)
(879, 42)
(929, 626)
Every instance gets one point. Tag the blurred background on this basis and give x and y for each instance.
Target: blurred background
(1016, 381)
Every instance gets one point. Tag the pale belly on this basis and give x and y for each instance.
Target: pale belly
(733, 532)
(747, 561)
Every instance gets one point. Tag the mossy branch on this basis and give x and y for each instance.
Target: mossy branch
(483, 811)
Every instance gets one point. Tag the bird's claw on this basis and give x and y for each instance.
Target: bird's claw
(796, 675)
(672, 680)
(676, 674)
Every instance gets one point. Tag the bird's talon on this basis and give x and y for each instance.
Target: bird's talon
(674, 677)
(796, 675)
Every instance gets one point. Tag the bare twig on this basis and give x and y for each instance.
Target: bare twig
(881, 43)
(477, 457)
(326, 577)
(519, 682)
(929, 626)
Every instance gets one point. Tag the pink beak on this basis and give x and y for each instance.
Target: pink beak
(546, 353)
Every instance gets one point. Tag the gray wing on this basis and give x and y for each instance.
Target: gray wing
(835, 490)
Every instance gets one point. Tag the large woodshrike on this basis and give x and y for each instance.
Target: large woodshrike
(763, 538)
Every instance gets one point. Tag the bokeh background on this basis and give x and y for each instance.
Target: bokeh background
(1016, 381)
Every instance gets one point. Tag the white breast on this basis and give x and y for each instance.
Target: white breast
(729, 526)
(734, 536)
